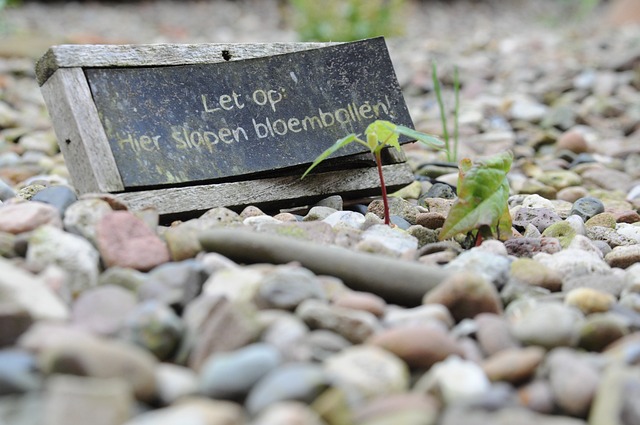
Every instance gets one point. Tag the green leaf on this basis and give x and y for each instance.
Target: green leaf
(483, 194)
(332, 149)
(384, 134)
(427, 139)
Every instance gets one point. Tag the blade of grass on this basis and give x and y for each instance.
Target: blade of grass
(456, 91)
(443, 115)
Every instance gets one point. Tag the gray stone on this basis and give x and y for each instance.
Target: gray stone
(237, 284)
(154, 326)
(215, 325)
(194, 411)
(232, 375)
(175, 382)
(18, 372)
(102, 310)
(288, 412)
(6, 191)
(317, 346)
(102, 358)
(393, 239)
(293, 381)
(349, 219)
(60, 197)
(573, 262)
(573, 381)
(365, 372)
(82, 216)
(175, 283)
(318, 213)
(507, 416)
(454, 380)
(397, 206)
(75, 255)
(610, 283)
(548, 324)
(354, 325)
(334, 202)
(587, 207)
(73, 400)
(530, 246)
(541, 218)
(440, 190)
(26, 292)
(287, 286)
(493, 267)
(130, 279)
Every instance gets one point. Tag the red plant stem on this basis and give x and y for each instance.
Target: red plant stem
(385, 201)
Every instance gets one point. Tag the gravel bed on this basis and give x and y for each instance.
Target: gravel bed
(324, 315)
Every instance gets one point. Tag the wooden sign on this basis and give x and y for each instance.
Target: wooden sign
(232, 125)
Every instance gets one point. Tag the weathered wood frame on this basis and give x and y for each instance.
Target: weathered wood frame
(91, 163)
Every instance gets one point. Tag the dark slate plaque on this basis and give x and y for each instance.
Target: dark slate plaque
(173, 124)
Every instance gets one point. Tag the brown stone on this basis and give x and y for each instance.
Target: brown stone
(365, 301)
(465, 295)
(25, 216)
(573, 141)
(431, 220)
(513, 365)
(125, 241)
(418, 345)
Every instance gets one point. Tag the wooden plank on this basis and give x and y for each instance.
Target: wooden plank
(274, 192)
(80, 134)
(81, 56)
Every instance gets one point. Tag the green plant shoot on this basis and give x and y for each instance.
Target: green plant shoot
(482, 204)
(452, 155)
(379, 134)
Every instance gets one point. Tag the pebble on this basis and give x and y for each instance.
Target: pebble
(531, 272)
(293, 381)
(82, 217)
(589, 300)
(102, 310)
(514, 365)
(455, 380)
(286, 287)
(410, 408)
(587, 207)
(541, 218)
(74, 400)
(547, 325)
(214, 325)
(466, 295)
(73, 254)
(573, 380)
(232, 375)
(349, 219)
(175, 283)
(154, 326)
(288, 413)
(493, 334)
(354, 325)
(601, 329)
(18, 372)
(59, 196)
(195, 410)
(175, 382)
(623, 256)
(102, 358)
(392, 239)
(397, 206)
(418, 345)
(572, 140)
(125, 241)
(27, 216)
(358, 300)
(573, 262)
(493, 267)
(366, 372)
